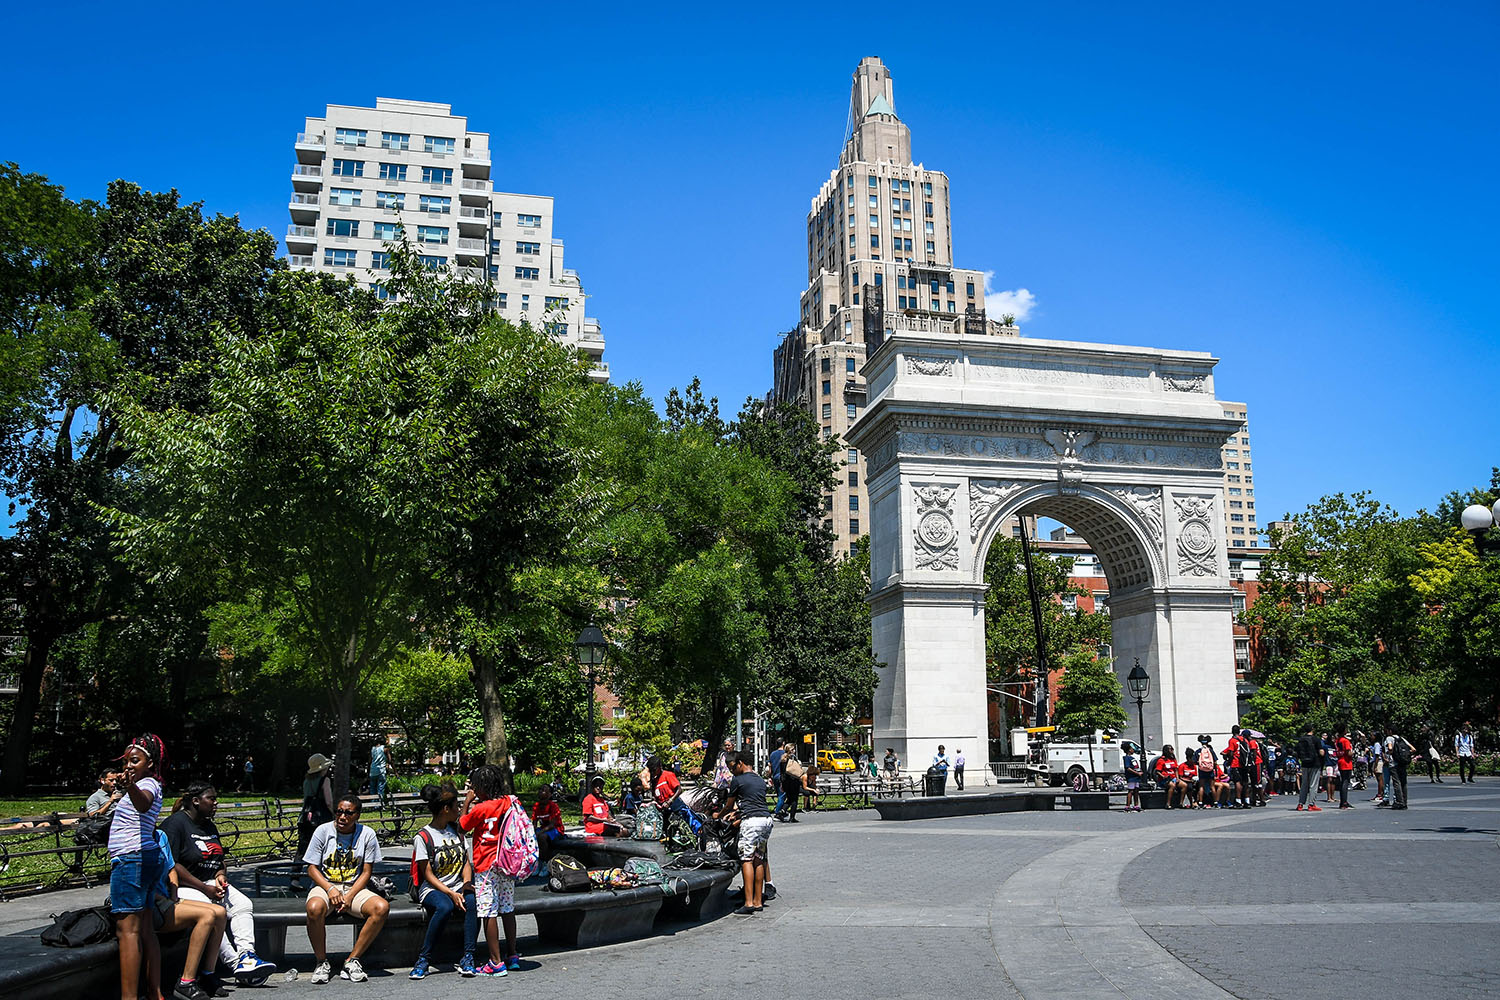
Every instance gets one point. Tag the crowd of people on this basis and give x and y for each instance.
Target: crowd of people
(1252, 768)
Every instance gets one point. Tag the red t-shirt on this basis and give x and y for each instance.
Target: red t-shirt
(595, 809)
(1165, 767)
(483, 819)
(1252, 759)
(547, 810)
(1346, 754)
(666, 787)
(1235, 746)
(1187, 770)
(1219, 775)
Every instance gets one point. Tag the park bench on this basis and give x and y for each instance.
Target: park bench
(36, 971)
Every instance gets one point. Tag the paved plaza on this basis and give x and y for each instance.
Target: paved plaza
(1065, 906)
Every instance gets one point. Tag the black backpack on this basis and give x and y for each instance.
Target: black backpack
(76, 928)
(1400, 752)
(92, 831)
(566, 873)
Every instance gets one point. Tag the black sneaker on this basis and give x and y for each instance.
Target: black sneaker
(211, 984)
(745, 911)
(189, 991)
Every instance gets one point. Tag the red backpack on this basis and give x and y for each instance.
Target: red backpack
(416, 875)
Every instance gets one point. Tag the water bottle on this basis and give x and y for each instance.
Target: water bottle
(291, 976)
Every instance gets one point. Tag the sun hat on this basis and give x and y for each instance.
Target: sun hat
(317, 764)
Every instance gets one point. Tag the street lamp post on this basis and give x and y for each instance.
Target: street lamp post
(1139, 683)
(1478, 519)
(589, 650)
(1377, 705)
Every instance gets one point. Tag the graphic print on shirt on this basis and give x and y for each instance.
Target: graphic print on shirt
(342, 865)
(447, 860)
(210, 848)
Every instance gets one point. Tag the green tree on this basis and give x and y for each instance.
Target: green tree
(1089, 696)
(422, 691)
(105, 305)
(647, 726)
(351, 458)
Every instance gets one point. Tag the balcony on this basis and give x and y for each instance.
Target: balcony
(473, 274)
(482, 214)
(471, 248)
(476, 163)
(307, 176)
(299, 260)
(310, 147)
(304, 207)
(600, 372)
(301, 235)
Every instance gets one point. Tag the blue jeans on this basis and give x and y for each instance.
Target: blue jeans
(780, 794)
(132, 880)
(440, 907)
(377, 784)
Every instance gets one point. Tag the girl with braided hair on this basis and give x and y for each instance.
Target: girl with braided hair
(136, 864)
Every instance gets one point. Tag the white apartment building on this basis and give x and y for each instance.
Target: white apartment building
(1240, 525)
(364, 176)
(879, 259)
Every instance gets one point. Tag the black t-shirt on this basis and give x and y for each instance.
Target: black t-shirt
(749, 792)
(195, 846)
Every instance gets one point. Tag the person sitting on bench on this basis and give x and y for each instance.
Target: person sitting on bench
(340, 859)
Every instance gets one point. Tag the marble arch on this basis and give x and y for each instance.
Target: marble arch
(1120, 443)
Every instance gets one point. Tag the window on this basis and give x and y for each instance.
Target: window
(1234, 491)
(826, 365)
(952, 306)
(933, 285)
(908, 245)
(901, 302)
(854, 526)
(432, 234)
(437, 175)
(381, 292)
(875, 221)
(528, 248)
(393, 171)
(853, 455)
(828, 502)
(970, 289)
(853, 478)
(1244, 440)
(874, 241)
(1242, 651)
(1232, 451)
(1236, 504)
(339, 258)
(927, 188)
(395, 140)
(390, 200)
(342, 227)
(930, 248)
(1232, 465)
(1236, 517)
(856, 298)
(349, 136)
(853, 502)
(380, 261)
(874, 201)
(1237, 531)
(433, 263)
(927, 227)
(343, 196)
(873, 182)
(827, 411)
(527, 273)
(348, 168)
(436, 204)
(849, 365)
(1234, 479)
(436, 144)
(528, 221)
(850, 411)
(851, 241)
(827, 387)
(555, 301)
(827, 433)
(387, 232)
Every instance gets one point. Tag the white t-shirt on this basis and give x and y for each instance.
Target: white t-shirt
(446, 861)
(341, 855)
(131, 827)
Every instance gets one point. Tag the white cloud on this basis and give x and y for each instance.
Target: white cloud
(1018, 302)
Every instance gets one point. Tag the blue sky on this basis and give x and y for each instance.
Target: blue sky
(1307, 191)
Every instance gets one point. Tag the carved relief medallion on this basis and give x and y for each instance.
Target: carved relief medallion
(936, 540)
(929, 366)
(1197, 553)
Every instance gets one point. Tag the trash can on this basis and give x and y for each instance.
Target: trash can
(937, 781)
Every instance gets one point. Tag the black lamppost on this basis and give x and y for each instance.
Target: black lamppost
(1139, 683)
(589, 650)
(1377, 705)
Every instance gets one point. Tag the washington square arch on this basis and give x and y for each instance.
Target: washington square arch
(1119, 443)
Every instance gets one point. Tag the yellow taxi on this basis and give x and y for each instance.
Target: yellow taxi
(834, 760)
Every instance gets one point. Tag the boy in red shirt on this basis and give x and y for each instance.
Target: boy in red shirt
(596, 819)
(1346, 765)
(546, 816)
(485, 807)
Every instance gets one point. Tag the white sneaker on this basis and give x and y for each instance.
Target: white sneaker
(353, 971)
(322, 973)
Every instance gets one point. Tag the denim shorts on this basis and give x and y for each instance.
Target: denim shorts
(132, 879)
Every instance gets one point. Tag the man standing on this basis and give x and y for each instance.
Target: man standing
(1346, 765)
(1398, 757)
(248, 785)
(1463, 749)
(777, 757)
(1310, 759)
(747, 795)
(939, 766)
(377, 768)
(958, 768)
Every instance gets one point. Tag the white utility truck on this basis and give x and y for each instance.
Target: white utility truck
(1100, 756)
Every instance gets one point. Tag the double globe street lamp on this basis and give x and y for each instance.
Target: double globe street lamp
(1477, 519)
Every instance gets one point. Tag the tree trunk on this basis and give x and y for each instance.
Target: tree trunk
(718, 721)
(345, 751)
(278, 758)
(487, 686)
(18, 745)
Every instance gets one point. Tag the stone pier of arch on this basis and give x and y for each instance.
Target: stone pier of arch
(1122, 444)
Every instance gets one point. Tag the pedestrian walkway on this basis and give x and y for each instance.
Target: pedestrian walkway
(1068, 906)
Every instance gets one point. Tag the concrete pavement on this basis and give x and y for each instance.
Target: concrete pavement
(1265, 903)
